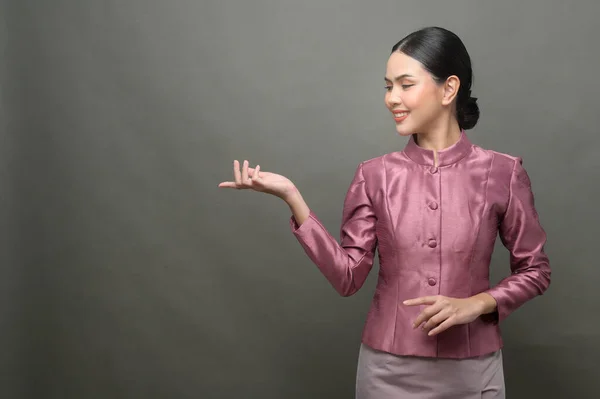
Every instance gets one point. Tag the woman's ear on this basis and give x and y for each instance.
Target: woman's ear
(451, 87)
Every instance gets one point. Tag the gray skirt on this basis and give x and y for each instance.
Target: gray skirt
(381, 375)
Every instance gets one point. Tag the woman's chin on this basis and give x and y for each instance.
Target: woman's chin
(403, 131)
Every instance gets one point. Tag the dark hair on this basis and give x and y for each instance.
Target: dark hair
(443, 54)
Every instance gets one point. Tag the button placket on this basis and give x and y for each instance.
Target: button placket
(432, 278)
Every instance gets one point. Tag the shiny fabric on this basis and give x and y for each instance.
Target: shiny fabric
(381, 375)
(435, 229)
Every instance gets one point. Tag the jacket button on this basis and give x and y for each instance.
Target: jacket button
(433, 170)
(432, 243)
(431, 282)
(433, 205)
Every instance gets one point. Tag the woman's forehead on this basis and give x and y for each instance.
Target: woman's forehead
(401, 65)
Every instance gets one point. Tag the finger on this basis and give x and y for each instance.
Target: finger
(437, 319)
(228, 184)
(424, 300)
(236, 172)
(245, 172)
(251, 172)
(426, 314)
(256, 173)
(449, 322)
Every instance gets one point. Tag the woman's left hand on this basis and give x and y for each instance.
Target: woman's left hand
(444, 312)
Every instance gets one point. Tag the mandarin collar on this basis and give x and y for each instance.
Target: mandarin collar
(447, 156)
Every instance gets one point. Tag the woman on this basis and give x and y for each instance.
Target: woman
(434, 211)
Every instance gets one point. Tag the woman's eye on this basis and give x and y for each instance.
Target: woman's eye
(404, 87)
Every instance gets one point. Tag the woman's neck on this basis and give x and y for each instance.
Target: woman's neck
(438, 138)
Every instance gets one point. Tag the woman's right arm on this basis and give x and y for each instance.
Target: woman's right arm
(346, 264)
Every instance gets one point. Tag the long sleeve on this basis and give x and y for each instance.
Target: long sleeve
(522, 234)
(347, 264)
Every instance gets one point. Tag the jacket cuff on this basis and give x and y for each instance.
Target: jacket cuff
(299, 229)
(501, 311)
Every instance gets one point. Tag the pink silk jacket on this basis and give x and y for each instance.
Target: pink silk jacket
(435, 229)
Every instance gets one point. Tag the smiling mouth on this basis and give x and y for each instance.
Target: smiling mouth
(400, 116)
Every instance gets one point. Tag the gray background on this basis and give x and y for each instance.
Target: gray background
(126, 272)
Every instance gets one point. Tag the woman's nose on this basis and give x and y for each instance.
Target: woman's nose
(394, 99)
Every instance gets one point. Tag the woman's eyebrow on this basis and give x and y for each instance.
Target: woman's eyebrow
(398, 78)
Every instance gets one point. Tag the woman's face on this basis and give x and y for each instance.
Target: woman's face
(412, 95)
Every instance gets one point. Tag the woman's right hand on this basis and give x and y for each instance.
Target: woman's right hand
(258, 180)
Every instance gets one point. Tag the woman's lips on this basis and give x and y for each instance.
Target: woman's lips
(400, 116)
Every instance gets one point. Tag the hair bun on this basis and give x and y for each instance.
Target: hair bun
(468, 114)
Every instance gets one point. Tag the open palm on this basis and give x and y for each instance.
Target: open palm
(257, 180)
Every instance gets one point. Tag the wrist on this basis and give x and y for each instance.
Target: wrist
(291, 196)
(485, 303)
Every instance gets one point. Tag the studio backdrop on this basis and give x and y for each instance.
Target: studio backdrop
(127, 273)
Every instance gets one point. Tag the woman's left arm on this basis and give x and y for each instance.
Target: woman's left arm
(522, 234)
